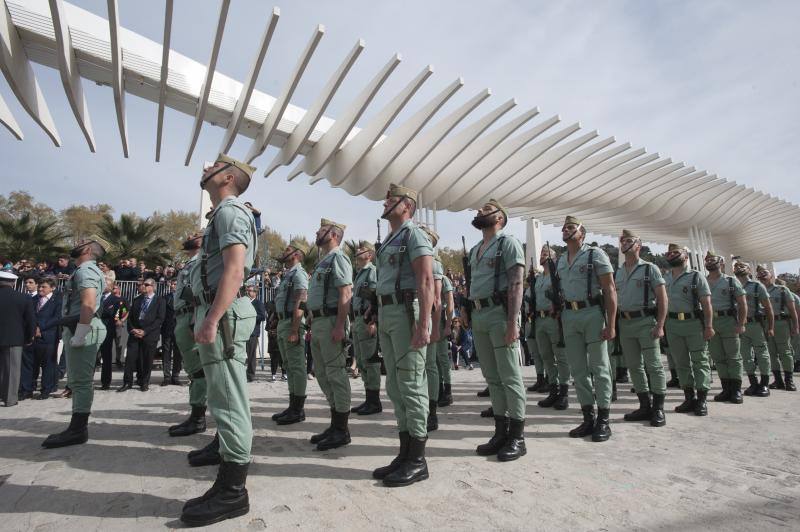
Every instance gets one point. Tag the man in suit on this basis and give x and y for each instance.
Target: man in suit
(112, 309)
(252, 343)
(27, 381)
(47, 308)
(17, 325)
(144, 325)
(170, 354)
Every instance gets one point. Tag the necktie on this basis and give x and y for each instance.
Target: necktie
(42, 301)
(145, 305)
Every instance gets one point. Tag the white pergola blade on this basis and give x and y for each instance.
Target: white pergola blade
(331, 141)
(276, 113)
(20, 77)
(205, 91)
(68, 68)
(8, 120)
(164, 77)
(305, 128)
(250, 83)
(116, 74)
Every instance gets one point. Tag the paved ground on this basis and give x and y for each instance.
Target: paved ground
(738, 468)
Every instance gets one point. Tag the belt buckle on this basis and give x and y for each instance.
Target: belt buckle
(574, 305)
(681, 316)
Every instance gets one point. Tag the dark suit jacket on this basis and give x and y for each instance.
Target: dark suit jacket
(261, 315)
(17, 322)
(47, 319)
(151, 321)
(168, 327)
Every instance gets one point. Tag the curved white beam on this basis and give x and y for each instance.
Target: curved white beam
(116, 74)
(8, 120)
(164, 77)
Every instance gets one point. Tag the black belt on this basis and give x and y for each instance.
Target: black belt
(395, 299)
(729, 312)
(322, 312)
(577, 305)
(755, 319)
(683, 316)
(201, 300)
(184, 310)
(781, 316)
(543, 314)
(633, 314)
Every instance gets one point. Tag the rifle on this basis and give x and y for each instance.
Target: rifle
(530, 316)
(467, 278)
(378, 241)
(556, 294)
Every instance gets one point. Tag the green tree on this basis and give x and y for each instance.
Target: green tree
(175, 227)
(20, 202)
(270, 247)
(81, 221)
(27, 237)
(135, 237)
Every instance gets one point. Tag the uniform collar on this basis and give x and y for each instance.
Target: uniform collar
(331, 252)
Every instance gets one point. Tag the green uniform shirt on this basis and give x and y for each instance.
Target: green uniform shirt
(796, 301)
(574, 277)
(630, 286)
(679, 289)
(756, 292)
(182, 282)
(542, 289)
(438, 270)
(366, 278)
(294, 279)
(721, 292)
(483, 267)
(337, 266)
(87, 275)
(388, 258)
(447, 286)
(780, 296)
(231, 223)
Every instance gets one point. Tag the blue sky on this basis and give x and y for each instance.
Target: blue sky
(713, 84)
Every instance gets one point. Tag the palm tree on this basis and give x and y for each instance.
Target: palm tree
(30, 238)
(134, 237)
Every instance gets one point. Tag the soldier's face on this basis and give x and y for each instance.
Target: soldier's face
(570, 232)
(362, 257)
(675, 258)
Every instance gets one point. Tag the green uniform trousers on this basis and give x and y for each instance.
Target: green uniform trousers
(80, 366)
(670, 358)
(330, 363)
(406, 379)
(780, 347)
(725, 348)
(642, 354)
(432, 370)
(541, 367)
(365, 349)
(796, 346)
(184, 338)
(294, 357)
(501, 363)
(226, 381)
(443, 360)
(688, 348)
(553, 357)
(587, 355)
(753, 348)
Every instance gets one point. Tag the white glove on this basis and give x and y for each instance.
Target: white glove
(79, 338)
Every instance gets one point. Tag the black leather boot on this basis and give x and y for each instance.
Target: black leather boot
(359, 408)
(701, 407)
(227, 498)
(433, 419)
(208, 455)
(213, 445)
(537, 386)
(602, 430)
(446, 395)
(763, 387)
(689, 402)
(735, 389)
(789, 380)
(753, 388)
(673, 381)
(413, 469)
(276, 417)
(316, 438)
(196, 422)
(77, 432)
(296, 413)
(562, 403)
(381, 472)
(497, 440)
(644, 411)
(657, 418)
(551, 399)
(373, 404)
(587, 427)
(339, 436)
(777, 384)
(489, 412)
(725, 395)
(622, 375)
(484, 392)
(515, 442)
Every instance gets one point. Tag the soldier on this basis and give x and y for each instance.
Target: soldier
(290, 303)
(365, 335)
(642, 302)
(184, 338)
(753, 341)
(543, 376)
(329, 293)
(432, 353)
(497, 264)
(442, 346)
(546, 310)
(730, 317)
(224, 318)
(83, 332)
(689, 328)
(589, 317)
(780, 349)
(405, 302)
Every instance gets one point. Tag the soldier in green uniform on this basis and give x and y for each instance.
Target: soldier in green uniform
(442, 346)
(589, 317)
(290, 301)
(689, 328)
(432, 352)
(329, 293)
(730, 318)
(224, 318)
(82, 333)
(543, 376)
(780, 348)
(497, 263)
(753, 341)
(365, 334)
(405, 302)
(546, 307)
(184, 338)
(642, 301)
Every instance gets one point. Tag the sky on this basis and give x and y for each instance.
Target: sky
(712, 83)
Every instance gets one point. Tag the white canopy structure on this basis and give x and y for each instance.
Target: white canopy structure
(540, 168)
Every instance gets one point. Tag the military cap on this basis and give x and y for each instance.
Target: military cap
(571, 220)
(300, 246)
(99, 240)
(627, 233)
(366, 244)
(323, 222)
(244, 167)
(496, 204)
(712, 255)
(403, 192)
(431, 234)
(675, 247)
(762, 271)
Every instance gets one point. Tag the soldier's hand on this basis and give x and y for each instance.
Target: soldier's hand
(770, 332)
(420, 338)
(740, 329)
(207, 332)
(708, 333)
(372, 330)
(512, 333)
(294, 338)
(608, 333)
(337, 334)
(657, 332)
